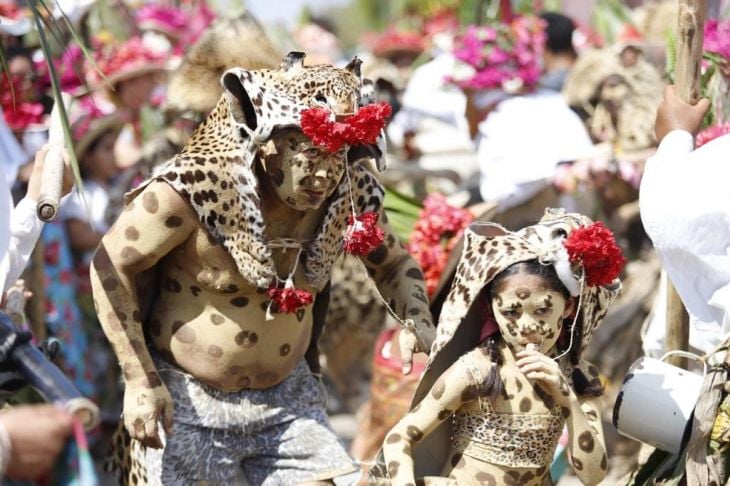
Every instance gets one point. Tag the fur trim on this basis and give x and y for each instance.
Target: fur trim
(195, 84)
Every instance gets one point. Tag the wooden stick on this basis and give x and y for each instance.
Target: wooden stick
(690, 34)
(53, 166)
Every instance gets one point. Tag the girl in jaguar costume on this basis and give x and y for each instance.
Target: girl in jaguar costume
(522, 309)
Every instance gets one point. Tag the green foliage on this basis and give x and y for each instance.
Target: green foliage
(402, 212)
(610, 17)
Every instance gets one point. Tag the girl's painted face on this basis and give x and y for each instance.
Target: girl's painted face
(303, 175)
(528, 311)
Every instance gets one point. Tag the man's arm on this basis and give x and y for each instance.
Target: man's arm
(400, 281)
(152, 225)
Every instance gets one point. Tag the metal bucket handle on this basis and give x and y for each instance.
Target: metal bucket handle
(687, 354)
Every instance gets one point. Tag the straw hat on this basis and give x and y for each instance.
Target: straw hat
(233, 42)
(90, 119)
(131, 58)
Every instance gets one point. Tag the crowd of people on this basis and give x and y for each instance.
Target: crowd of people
(272, 227)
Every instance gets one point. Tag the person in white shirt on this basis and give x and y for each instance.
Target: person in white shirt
(31, 436)
(685, 209)
(24, 226)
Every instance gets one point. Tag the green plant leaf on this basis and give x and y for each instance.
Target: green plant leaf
(79, 41)
(56, 85)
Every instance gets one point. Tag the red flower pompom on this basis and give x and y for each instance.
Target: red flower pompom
(594, 247)
(362, 127)
(317, 126)
(363, 234)
(365, 125)
(289, 299)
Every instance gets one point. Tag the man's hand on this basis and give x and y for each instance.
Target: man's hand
(37, 435)
(143, 408)
(34, 184)
(675, 114)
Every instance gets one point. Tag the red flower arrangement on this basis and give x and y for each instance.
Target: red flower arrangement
(362, 127)
(289, 299)
(594, 247)
(363, 234)
(434, 236)
(19, 109)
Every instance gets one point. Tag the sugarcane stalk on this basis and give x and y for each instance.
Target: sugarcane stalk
(53, 166)
(690, 35)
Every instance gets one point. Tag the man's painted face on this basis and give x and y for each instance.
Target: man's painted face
(302, 174)
(528, 311)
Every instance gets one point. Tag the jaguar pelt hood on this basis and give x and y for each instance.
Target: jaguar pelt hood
(215, 171)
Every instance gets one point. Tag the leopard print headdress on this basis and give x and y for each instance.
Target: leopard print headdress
(489, 249)
(215, 171)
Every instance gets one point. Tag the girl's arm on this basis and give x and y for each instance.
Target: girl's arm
(446, 395)
(587, 447)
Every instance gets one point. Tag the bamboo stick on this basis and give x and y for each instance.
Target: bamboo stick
(690, 34)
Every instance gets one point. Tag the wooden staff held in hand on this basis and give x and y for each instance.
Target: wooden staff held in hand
(52, 180)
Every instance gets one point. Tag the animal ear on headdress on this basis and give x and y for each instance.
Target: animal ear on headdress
(239, 98)
(354, 66)
(293, 60)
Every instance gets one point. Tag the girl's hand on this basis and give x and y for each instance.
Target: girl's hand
(539, 368)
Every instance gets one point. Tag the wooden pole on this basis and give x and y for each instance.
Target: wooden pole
(690, 34)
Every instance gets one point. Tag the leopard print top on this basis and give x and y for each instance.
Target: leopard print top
(508, 439)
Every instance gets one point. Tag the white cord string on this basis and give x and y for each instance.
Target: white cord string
(575, 319)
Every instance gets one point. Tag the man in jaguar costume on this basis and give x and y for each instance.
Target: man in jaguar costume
(211, 285)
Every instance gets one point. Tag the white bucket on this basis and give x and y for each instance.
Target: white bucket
(656, 401)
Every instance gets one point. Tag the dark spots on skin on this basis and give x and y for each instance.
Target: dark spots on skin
(239, 301)
(150, 202)
(548, 302)
(604, 462)
(246, 339)
(485, 479)
(378, 255)
(444, 414)
(525, 405)
(438, 389)
(215, 351)
(523, 293)
(414, 273)
(456, 460)
(577, 464)
(586, 442)
(414, 433)
(217, 319)
(110, 284)
(173, 222)
(392, 439)
(131, 233)
(195, 290)
(277, 176)
(243, 382)
(393, 467)
(565, 412)
(130, 254)
(185, 334)
(284, 350)
(172, 285)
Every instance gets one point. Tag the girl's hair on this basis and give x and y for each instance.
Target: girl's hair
(493, 385)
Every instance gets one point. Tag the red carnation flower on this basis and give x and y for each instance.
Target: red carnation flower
(594, 247)
(363, 234)
(365, 125)
(362, 127)
(289, 299)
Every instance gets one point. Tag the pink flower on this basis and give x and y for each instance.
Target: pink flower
(717, 37)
